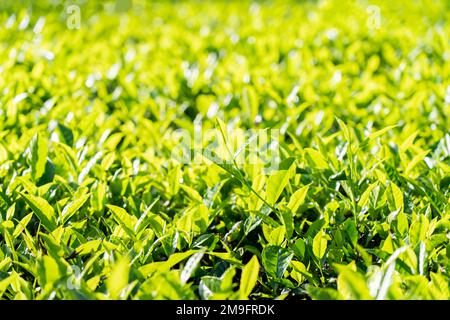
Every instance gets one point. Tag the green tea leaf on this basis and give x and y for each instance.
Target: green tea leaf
(118, 279)
(352, 285)
(275, 260)
(276, 183)
(190, 266)
(71, 208)
(38, 151)
(249, 277)
(418, 230)
(320, 244)
(166, 265)
(298, 198)
(125, 220)
(323, 293)
(43, 210)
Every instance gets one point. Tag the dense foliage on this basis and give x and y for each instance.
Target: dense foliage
(94, 204)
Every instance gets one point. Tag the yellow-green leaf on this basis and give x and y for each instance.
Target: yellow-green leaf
(118, 279)
(249, 277)
(320, 244)
(297, 199)
(43, 210)
(71, 208)
(39, 151)
(276, 183)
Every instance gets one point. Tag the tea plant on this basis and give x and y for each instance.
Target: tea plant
(96, 203)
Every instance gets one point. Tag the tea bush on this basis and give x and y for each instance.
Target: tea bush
(96, 204)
